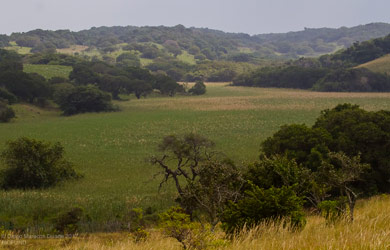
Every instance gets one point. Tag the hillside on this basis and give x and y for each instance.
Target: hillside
(380, 65)
(358, 68)
(202, 43)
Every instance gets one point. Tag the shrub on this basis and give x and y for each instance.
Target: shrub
(35, 164)
(6, 95)
(198, 89)
(333, 210)
(68, 222)
(260, 205)
(6, 113)
(177, 224)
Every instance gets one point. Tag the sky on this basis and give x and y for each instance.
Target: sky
(239, 16)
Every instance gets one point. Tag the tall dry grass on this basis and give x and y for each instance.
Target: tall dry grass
(370, 230)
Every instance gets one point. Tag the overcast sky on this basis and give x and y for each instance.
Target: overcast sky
(247, 16)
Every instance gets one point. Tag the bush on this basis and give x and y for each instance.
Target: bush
(6, 113)
(83, 99)
(260, 205)
(6, 95)
(198, 89)
(177, 224)
(35, 164)
(333, 210)
(68, 222)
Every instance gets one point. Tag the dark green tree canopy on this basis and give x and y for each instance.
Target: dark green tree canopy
(83, 99)
(198, 89)
(345, 128)
(35, 164)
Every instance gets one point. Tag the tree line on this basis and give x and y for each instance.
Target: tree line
(205, 43)
(90, 88)
(334, 72)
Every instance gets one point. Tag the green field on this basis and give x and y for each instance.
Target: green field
(18, 49)
(48, 71)
(110, 148)
(187, 58)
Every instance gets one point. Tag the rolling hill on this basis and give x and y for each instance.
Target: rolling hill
(203, 43)
(380, 65)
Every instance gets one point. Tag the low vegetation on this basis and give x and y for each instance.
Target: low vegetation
(370, 230)
(6, 112)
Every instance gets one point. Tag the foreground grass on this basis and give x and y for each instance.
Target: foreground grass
(110, 148)
(370, 230)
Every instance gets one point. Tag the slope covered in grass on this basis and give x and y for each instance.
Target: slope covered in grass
(380, 65)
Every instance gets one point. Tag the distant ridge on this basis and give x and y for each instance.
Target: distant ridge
(213, 44)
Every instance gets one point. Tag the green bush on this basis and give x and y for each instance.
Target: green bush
(68, 222)
(35, 164)
(198, 89)
(333, 210)
(6, 113)
(83, 99)
(261, 205)
(8, 96)
(177, 224)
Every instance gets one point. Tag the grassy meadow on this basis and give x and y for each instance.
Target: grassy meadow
(111, 149)
(48, 71)
(18, 49)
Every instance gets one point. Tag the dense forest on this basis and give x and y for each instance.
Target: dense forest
(206, 43)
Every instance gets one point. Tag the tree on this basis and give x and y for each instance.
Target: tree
(278, 171)
(172, 47)
(35, 164)
(83, 74)
(83, 99)
(217, 183)
(167, 85)
(128, 59)
(25, 86)
(141, 88)
(341, 172)
(181, 158)
(198, 89)
(305, 145)
(356, 131)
